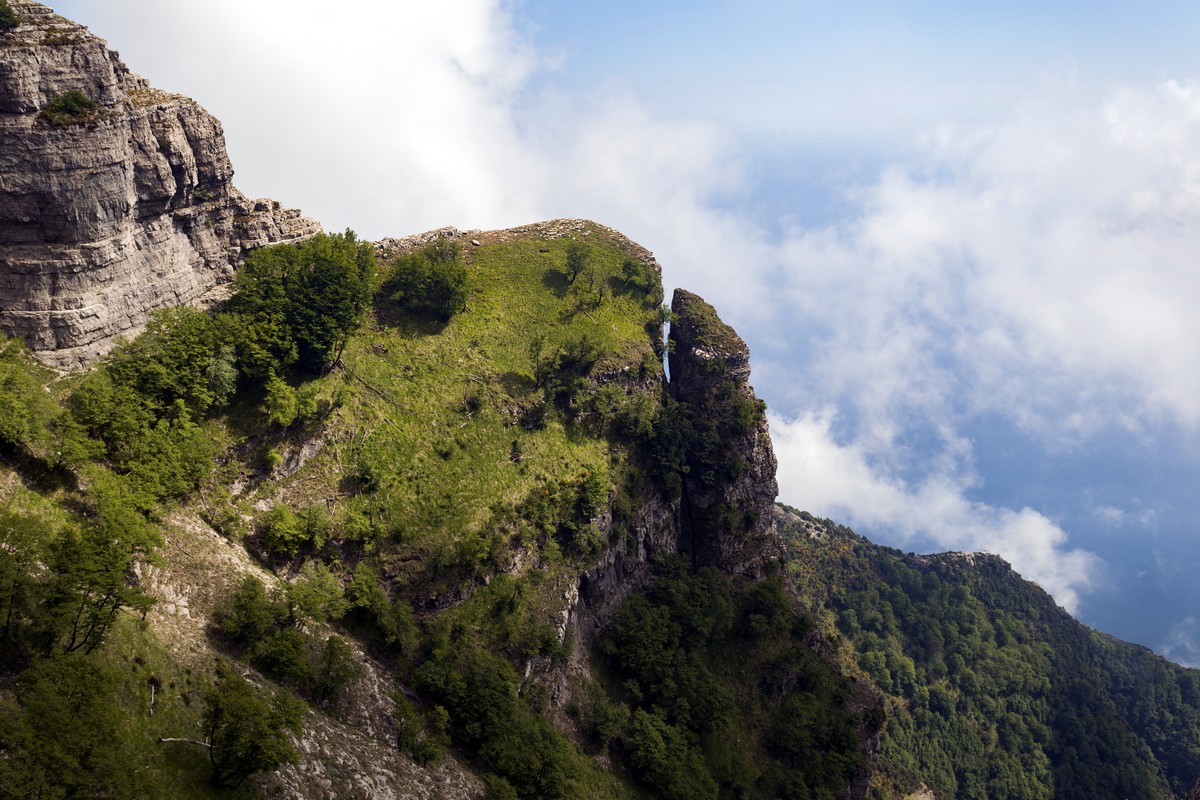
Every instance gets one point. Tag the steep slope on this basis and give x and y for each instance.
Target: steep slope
(439, 543)
(996, 691)
(115, 198)
(729, 484)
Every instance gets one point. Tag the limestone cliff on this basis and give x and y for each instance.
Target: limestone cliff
(729, 488)
(121, 207)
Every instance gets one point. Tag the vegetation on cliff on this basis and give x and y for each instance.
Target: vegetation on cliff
(8, 17)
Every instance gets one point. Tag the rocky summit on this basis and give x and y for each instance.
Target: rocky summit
(115, 198)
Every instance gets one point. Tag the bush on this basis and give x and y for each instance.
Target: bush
(431, 282)
(72, 107)
(8, 17)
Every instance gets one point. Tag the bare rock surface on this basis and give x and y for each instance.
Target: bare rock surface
(128, 208)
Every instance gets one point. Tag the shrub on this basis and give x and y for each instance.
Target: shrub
(8, 17)
(246, 732)
(431, 282)
(72, 107)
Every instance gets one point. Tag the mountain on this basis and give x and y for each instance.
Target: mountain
(425, 517)
(117, 197)
(993, 690)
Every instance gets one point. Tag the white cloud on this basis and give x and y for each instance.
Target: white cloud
(1182, 645)
(839, 481)
(1042, 269)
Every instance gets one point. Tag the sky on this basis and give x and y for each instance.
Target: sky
(959, 238)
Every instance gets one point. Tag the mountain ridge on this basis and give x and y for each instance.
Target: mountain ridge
(429, 510)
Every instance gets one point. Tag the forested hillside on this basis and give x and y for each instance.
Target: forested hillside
(378, 523)
(994, 691)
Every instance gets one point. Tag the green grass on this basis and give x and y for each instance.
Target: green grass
(180, 768)
(434, 415)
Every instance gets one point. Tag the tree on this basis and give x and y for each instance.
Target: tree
(64, 734)
(245, 732)
(432, 282)
(90, 566)
(663, 757)
(298, 303)
(577, 258)
(21, 593)
(249, 613)
(336, 669)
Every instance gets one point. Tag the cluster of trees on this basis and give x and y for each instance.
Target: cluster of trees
(296, 305)
(428, 283)
(721, 695)
(1003, 694)
(273, 631)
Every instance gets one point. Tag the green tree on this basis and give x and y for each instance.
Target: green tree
(90, 567)
(578, 256)
(430, 282)
(280, 403)
(667, 762)
(8, 17)
(22, 595)
(249, 613)
(336, 669)
(316, 595)
(245, 731)
(62, 735)
(298, 303)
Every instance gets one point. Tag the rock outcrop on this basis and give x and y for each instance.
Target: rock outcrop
(729, 487)
(118, 205)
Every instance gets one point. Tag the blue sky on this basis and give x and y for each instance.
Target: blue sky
(959, 237)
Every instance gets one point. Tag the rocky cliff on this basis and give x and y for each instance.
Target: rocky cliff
(115, 198)
(729, 487)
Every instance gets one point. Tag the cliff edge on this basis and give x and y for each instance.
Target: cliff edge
(115, 198)
(729, 485)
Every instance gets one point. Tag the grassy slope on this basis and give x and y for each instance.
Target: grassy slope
(433, 414)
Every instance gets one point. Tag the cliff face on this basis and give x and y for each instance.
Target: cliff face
(116, 209)
(729, 489)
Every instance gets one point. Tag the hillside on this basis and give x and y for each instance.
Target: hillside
(466, 537)
(995, 691)
(425, 517)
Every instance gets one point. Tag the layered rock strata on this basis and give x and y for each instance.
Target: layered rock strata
(115, 209)
(729, 487)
